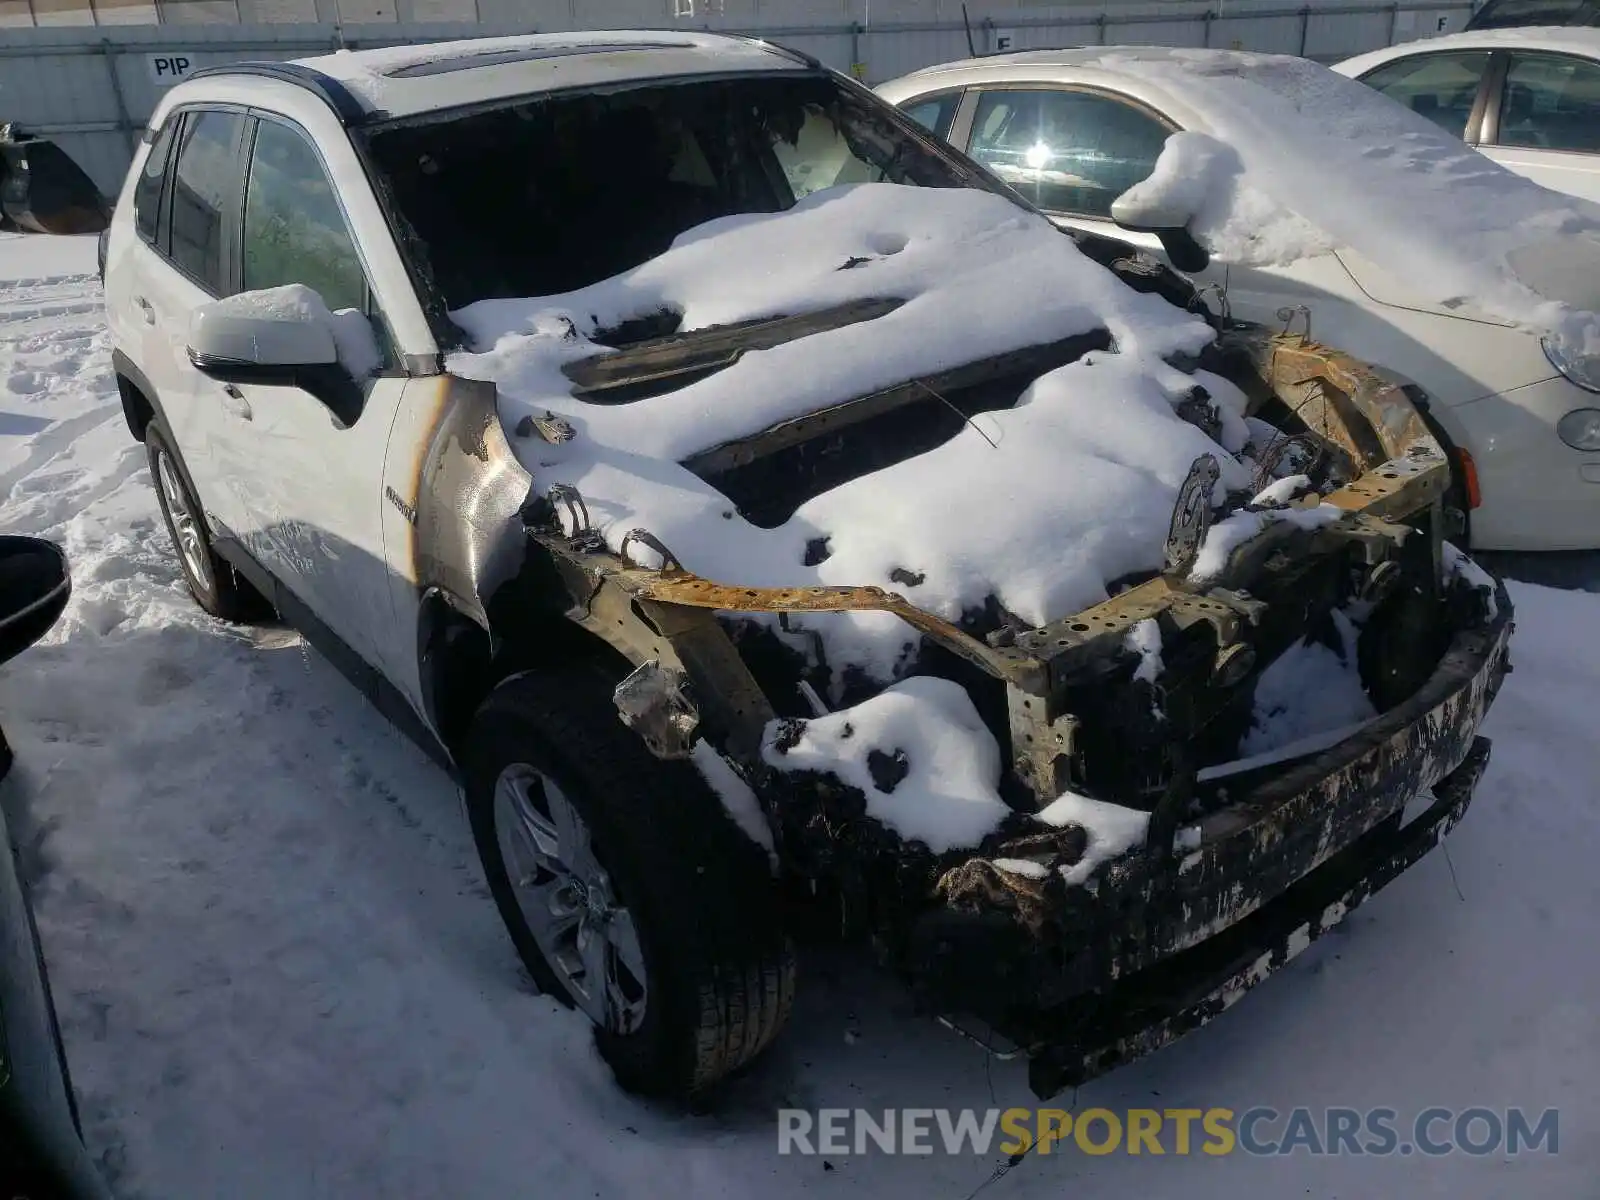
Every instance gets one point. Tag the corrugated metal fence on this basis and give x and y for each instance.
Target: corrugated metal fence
(93, 88)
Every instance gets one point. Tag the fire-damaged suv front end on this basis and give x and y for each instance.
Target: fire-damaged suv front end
(1089, 655)
(1148, 872)
(1236, 862)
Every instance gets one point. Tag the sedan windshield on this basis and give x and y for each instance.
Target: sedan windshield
(547, 195)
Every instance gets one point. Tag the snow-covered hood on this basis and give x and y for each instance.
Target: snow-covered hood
(1039, 505)
(1284, 159)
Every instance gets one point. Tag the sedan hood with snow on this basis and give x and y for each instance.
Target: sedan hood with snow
(1285, 159)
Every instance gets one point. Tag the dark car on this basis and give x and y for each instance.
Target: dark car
(41, 1150)
(1510, 14)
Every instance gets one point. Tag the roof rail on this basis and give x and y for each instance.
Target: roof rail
(329, 90)
(799, 56)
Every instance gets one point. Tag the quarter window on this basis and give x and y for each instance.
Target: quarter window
(294, 229)
(1551, 102)
(207, 171)
(934, 113)
(147, 193)
(1072, 152)
(1441, 87)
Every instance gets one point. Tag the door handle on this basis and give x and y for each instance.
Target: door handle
(146, 310)
(234, 403)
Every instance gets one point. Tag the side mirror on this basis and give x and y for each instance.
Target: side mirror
(277, 337)
(34, 586)
(1171, 226)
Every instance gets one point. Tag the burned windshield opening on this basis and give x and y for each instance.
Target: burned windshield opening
(551, 194)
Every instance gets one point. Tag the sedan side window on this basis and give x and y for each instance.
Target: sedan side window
(1069, 152)
(934, 113)
(1441, 87)
(206, 173)
(1551, 102)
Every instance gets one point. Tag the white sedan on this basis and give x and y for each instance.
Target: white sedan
(1317, 199)
(1528, 98)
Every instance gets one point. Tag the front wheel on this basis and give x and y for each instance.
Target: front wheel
(628, 891)
(213, 583)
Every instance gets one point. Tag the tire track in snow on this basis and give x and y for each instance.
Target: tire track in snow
(78, 280)
(52, 443)
(47, 357)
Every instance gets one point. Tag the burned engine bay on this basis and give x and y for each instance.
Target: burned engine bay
(1074, 705)
(1067, 701)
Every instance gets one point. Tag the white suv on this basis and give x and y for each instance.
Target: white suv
(592, 400)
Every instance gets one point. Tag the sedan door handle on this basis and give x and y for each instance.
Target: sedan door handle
(234, 403)
(146, 309)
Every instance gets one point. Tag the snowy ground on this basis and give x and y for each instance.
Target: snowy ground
(279, 973)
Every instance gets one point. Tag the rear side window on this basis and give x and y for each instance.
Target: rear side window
(934, 113)
(1551, 102)
(206, 174)
(1441, 87)
(147, 193)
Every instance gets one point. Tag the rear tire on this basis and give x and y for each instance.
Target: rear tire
(215, 585)
(698, 897)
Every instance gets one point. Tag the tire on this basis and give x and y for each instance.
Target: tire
(718, 967)
(215, 585)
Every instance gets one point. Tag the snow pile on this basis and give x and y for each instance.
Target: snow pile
(1458, 566)
(1309, 690)
(1039, 505)
(1112, 830)
(1345, 166)
(1144, 639)
(927, 764)
(1228, 534)
(294, 305)
(1199, 182)
(930, 771)
(1282, 491)
(739, 800)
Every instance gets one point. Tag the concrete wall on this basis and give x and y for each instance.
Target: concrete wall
(87, 72)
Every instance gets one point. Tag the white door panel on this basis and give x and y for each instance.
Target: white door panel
(1558, 170)
(307, 486)
(161, 300)
(308, 495)
(169, 287)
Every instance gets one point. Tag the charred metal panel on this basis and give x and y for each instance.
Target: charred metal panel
(677, 587)
(661, 364)
(1026, 365)
(1074, 1044)
(617, 604)
(1274, 830)
(470, 489)
(452, 490)
(1335, 396)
